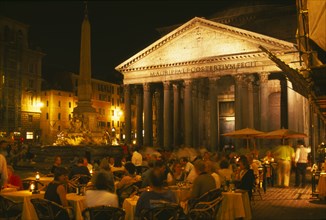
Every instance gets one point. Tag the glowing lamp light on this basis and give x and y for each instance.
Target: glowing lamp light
(32, 187)
(91, 172)
(37, 176)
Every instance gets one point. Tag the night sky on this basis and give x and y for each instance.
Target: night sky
(119, 28)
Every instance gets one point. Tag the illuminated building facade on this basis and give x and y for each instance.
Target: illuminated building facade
(20, 84)
(58, 106)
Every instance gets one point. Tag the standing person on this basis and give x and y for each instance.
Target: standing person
(137, 160)
(285, 155)
(3, 164)
(300, 162)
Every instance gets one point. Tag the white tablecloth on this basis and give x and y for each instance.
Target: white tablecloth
(129, 205)
(24, 196)
(78, 203)
(234, 205)
(322, 186)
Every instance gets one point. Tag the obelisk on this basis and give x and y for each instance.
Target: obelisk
(84, 107)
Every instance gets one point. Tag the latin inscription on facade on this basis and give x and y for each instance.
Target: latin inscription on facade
(211, 68)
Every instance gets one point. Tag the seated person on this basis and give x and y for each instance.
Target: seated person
(187, 166)
(204, 182)
(14, 181)
(117, 165)
(103, 192)
(154, 165)
(177, 175)
(210, 169)
(57, 163)
(88, 165)
(245, 178)
(56, 191)
(158, 194)
(225, 171)
(80, 169)
(130, 176)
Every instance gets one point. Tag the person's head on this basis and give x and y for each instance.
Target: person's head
(177, 167)
(111, 160)
(209, 166)
(244, 163)
(156, 179)
(104, 181)
(80, 161)
(300, 142)
(10, 171)
(3, 144)
(57, 160)
(85, 161)
(159, 165)
(60, 174)
(130, 167)
(207, 156)
(104, 165)
(200, 166)
(183, 160)
(224, 164)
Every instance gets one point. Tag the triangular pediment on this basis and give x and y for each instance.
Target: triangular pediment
(201, 39)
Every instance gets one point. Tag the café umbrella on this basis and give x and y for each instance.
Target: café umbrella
(246, 133)
(282, 134)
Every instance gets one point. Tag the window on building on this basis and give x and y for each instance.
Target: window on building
(59, 116)
(69, 117)
(112, 112)
(30, 118)
(112, 123)
(76, 92)
(47, 103)
(108, 124)
(59, 104)
(112, 102)
(29, 135)
(118, 123)
(47, 116)
(69, 104)
(59, 128)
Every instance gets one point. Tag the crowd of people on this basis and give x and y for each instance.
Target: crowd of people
(155, 172)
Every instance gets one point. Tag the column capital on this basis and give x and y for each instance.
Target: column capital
(187, 82)
(239, 78)
(147, 86)
(250, 81)
(214, 79)
(167, 85)
(263, 77)
(175, 86)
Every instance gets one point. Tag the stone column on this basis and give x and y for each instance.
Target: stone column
(194, 99)
(284, 104)
(159, 117)
(188, 112)
(167, 116)
(176, 115)
(264, 113)
(127, 113)
(139, 116)
(213, 113)
(148, 126)
(250, 81)
(238, 101)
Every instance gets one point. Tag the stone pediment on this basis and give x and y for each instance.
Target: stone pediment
(199, 40)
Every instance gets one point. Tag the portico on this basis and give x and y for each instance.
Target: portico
(212, 78)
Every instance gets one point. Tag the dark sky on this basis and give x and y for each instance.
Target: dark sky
(119, 28)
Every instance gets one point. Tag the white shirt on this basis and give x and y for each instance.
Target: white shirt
(301, 154)
(101, 197)
(189, 166)
(217, 180)
(3, 170)
(137, 159)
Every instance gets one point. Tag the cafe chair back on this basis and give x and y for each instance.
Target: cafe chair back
(10, 209)
(205, 210)
(162, 211)
(48, 210)
(207, 197)
(104, 212)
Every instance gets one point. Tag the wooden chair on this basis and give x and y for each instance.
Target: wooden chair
(104, 212)
(162, 211)
(48, 210)
(207, 197)
(127, 192)
(257, 186)
(10, 209)
(205, 210)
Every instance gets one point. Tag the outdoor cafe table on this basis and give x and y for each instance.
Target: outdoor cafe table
(44, 179)
(234, 205)
(322, 185)
(24, 196)
(78, 203)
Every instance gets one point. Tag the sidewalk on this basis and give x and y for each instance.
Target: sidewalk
(288, 203)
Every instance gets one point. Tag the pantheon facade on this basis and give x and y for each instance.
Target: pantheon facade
(206, 78)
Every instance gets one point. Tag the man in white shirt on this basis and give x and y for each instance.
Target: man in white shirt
(137, 160)
(301, 161)
(187, 166)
